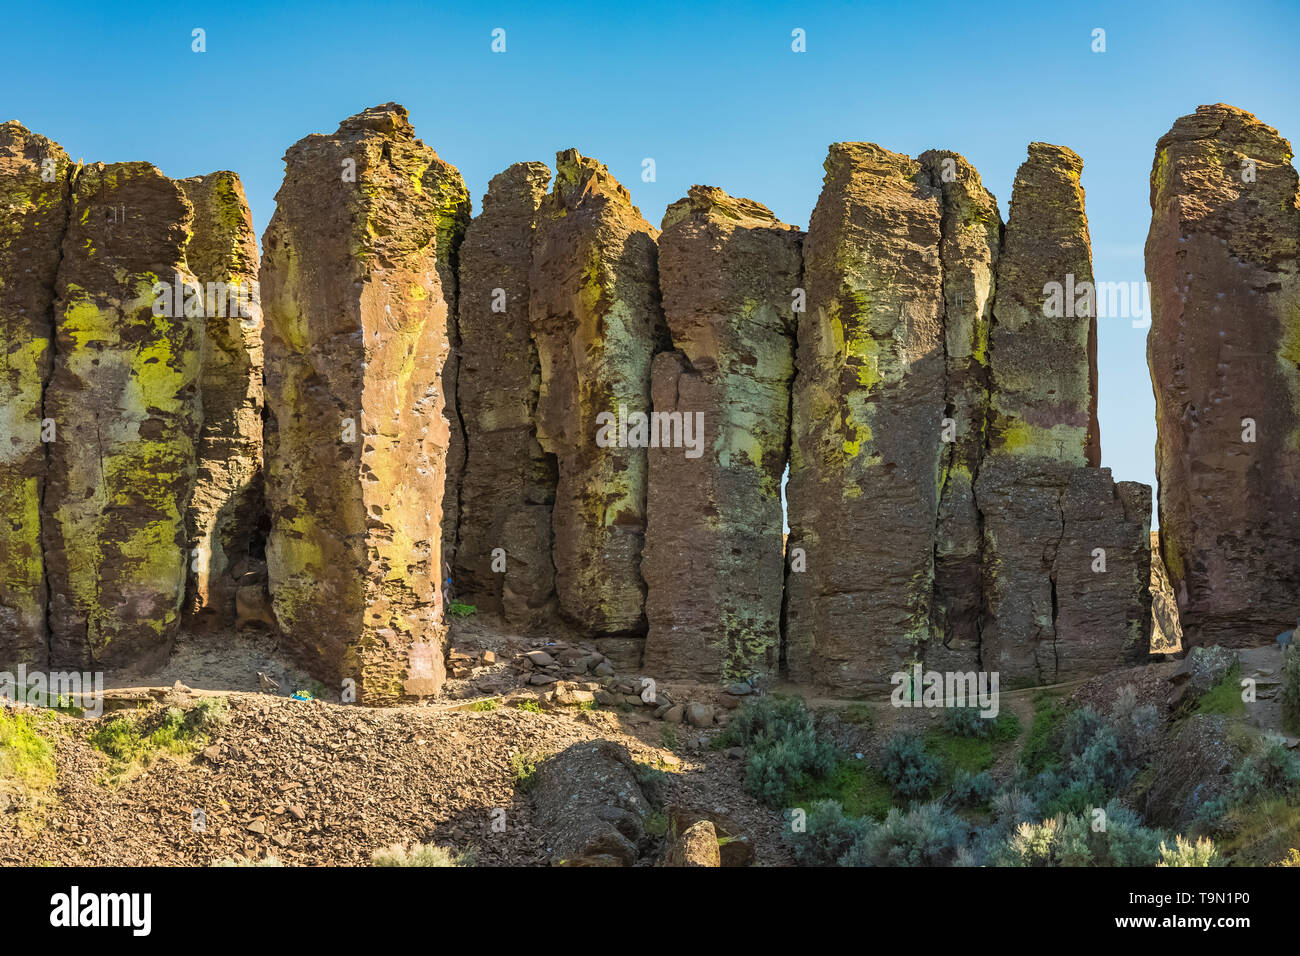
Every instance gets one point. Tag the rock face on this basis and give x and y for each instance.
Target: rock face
(356, 442)
(1066, 561)
(729, 271)
(508, 489)
(968, 253)
(590, 807)
(1224, 348)
(226, 509)
(35, 180)
(595, 316)
(869, 399)
(125, 398)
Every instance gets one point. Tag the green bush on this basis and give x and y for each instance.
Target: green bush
(972, 789)
(1291, 690)
(1082, 839)
(1185, 853)
(966, 722)
(421, 854)
(783, 748)
(907, 767)
(928, 834)
(828, 834)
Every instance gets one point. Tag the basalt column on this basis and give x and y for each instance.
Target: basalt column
(595, 315)
(124, 399)
(356, 441)
(1224, 352)
(1066, 550)
(869, 400)
(503, 561)
(968, 251)
(227, 506)
(35, 179)
(730, 274)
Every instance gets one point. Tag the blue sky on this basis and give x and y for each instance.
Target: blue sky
(711, 91)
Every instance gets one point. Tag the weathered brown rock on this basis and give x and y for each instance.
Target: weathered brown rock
(1166, 629)
(968, 253)
(697, 845)
(869, 398)
(1044, 365)
(728, 270)
(227, 506)
(508, 489)
(356, 334)
(35, 184)
(1051, 519)
(125, 398)
(595, 316)
(588, 804)
(1224, 347)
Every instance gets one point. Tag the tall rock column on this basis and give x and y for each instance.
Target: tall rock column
(227, 506)
(503, 560)
(594, 313)
(356, 442)
(968, 252)
(869, 400)
(729, 272)
(1066, 550)
(35, 179)
(125, 400)
(1224, 352)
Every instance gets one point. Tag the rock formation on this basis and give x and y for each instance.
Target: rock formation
(508, 488)
(35, 179)
(1224, 352)
(595, 317)
(729, 272)
(1066, 550)
(356, 441)
(125, 399)
(869, 400)
(227, 506)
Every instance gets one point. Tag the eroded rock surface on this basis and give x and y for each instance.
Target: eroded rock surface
(227, 506)
(595, 316)
(869, 399)
(588, 803)
(508, 489)
(356, 441)
(35, 182)
(729, 271)
(1224, 352)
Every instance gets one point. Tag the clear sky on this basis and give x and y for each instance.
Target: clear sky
(711, 91)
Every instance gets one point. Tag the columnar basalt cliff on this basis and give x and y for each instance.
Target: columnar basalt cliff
(503, 558)
(226, 509)
(1066, 550)
(595, 316)
(1224, 352)
(730, 274)
(35, 184)
(125, 399)
(869, 400)
(356, 441)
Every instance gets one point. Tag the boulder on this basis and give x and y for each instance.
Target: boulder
(595, 317)
(1224, 353)
(697, 845)
(589, 806)
(508, 488)
(729, 271)
(356, 441)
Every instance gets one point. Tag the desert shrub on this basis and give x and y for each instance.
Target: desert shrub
(1011, 808)
(782, 746)
(972, 789)
(421, 854)
(828, 834)
(1082, 839)
(268, 860)
(523, 767)
(907, 767)
(457, 609)
(966, 722)
(1185, 853)
(928, 834)
(1291, 690)
(1292, 858)
(1274, 771)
